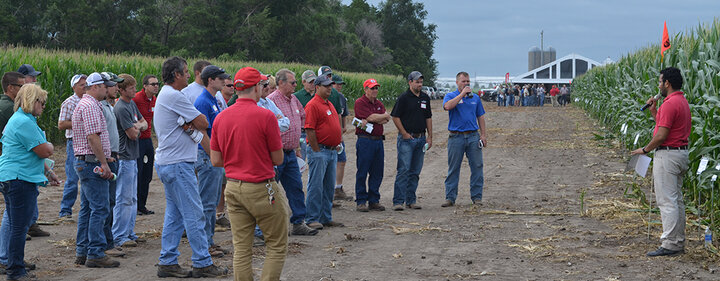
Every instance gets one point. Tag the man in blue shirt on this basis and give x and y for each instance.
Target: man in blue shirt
(466, 117)
(209, 177)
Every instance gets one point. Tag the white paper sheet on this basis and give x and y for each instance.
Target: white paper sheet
(639, 163)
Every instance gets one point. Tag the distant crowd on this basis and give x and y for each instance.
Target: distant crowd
(231, 151)
(532, 95)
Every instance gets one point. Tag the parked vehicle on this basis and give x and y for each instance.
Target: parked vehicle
(488, 94)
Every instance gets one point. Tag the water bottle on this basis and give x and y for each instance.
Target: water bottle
(302, 140)
(99, 171)
(426, 147)
(708, 237)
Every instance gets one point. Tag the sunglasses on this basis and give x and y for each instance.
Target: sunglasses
(42, 103)
(375, 88)
(18, 85)
(229, 85)
(293, 83)
(154, 84)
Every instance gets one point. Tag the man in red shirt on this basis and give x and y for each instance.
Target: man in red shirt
(323, 137)
(670, 141)
(369, 148)
(145, 101)
(553, 95)
(246, 142)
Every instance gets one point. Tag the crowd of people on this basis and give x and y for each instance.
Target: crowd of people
(532, 95)
(231, 151)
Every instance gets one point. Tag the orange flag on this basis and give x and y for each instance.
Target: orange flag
(665, 42)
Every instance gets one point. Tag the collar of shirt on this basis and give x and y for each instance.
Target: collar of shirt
(32, 117)
(245, 101)
(672, 95)
(6, 97)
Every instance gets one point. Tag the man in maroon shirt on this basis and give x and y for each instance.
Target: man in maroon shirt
(369, 148)
(145, 101)
(670, 141)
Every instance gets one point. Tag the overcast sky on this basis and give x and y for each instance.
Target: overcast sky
(490, 38)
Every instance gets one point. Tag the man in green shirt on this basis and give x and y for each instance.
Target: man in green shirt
(11, 84)
(308, 91)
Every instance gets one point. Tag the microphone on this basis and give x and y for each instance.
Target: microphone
(656, 97)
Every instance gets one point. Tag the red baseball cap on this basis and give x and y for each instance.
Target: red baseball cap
(370, 83)
(247, 77)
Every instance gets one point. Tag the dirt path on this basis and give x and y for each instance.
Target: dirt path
(538, 162)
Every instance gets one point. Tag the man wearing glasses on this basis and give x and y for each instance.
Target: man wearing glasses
(11, 84)
(209, 177)
(145, 101)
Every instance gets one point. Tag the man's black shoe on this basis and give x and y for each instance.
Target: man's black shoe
(664, 252)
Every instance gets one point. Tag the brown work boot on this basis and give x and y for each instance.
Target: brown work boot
(336, 204)
(448, 203)
(376, 207)
(173, 270)
(340, 195)
(35, 231)
(115, 252)
(223, 221)
(209, 271)
(129, 243)
(362, 208)
(398, 207)
(414, 206)
(103, 262)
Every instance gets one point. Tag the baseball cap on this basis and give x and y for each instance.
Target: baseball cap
(370, 83)
(212, 71)
(308, 76)
(112, 77)
(27, 69)
(337, 79)
(324, 70)
(323, 81)
(97, 79)
(415, 75)
(247, 77)
(76, 79)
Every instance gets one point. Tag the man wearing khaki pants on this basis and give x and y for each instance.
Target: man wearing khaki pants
(670, 141)
(246, 142)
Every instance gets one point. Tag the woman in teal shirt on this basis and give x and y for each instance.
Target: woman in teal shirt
(22, 169)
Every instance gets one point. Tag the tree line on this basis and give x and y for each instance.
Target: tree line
(391, 38)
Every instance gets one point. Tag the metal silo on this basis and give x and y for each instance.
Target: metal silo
(549, 55)
(534, 58)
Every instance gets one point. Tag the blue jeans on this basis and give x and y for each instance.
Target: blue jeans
(210, 187)
(467, 144)
(183, 211)
(321, 184)
(409, 164)
(125, 210)
(20, 204)
(510, 100)
(70, 191)
(288, 173)
(112, 188)
(500, 101)
(5, 235)
(94, 210)
(542, 100)
(370, 161)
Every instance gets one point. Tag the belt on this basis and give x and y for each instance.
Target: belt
(92, 158)
(684, 147)
(289, 150)
(262, 181)
(417, 135)
(327, 147)
(371, 137)
(463, 133)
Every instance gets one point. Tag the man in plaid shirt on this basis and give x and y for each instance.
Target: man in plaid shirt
(78, 84)
(91, 144)
(288, 173)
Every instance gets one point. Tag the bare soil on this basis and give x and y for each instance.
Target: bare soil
(538, 163)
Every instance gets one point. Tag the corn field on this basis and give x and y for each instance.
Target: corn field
(614, 93)
(58, 67)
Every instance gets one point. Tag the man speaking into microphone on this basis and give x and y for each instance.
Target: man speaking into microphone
(670, 141)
